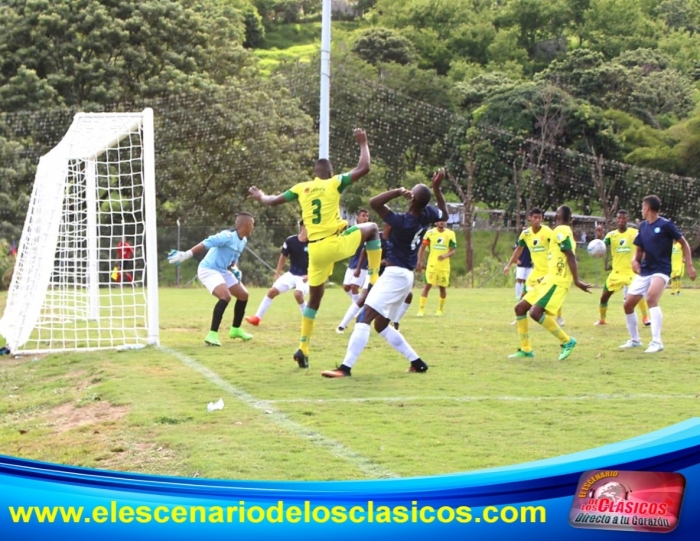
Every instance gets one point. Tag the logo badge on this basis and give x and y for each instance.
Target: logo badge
(657, 230)
(633, 501)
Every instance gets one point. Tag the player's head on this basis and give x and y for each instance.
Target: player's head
(651, 203)
(441, 225)
(323, 168)
(563, 215)
(362, 216)
(622, 219)
(245, 223)
(420, 197)
(535, 216)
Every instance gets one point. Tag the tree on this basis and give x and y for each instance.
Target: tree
(379, 45)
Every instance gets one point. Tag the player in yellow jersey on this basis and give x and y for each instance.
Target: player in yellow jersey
(441, 242)
(621, 242)
(677, 268)
(546, 299)
(536, 239)
(329, 240)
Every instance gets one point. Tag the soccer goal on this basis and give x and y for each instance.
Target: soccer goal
(86, 275)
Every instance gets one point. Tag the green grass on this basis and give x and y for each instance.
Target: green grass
(145, 411)
(296, 42)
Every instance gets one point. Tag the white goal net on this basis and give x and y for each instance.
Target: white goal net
(86, 274)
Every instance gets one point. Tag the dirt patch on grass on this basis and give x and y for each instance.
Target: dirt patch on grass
(69, 416)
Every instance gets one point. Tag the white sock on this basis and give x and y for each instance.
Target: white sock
(656, 320)
(302, 306)
(354, 297)
(352, 311)
(632, 326)
(358, 341)
(264, 305)
(398, 342)
(518, 290)
(349, 292)
(402, 311)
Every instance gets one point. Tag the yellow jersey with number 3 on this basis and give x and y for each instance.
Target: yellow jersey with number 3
(562, 240)
(320, 205)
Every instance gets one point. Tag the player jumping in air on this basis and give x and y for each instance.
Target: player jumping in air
(329, 240)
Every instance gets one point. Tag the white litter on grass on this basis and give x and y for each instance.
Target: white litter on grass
(219, 405)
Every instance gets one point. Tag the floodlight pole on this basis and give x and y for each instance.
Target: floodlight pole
(324, 106)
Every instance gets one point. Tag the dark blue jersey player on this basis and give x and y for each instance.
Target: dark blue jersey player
(387, 296)
(652, 263)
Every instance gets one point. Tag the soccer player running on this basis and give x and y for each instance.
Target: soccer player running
(295, 248)
(329, 240)
(677, 268)
(385, 299)
(442, 244)
(652, 263)
(219, 274)
(547, 298)
(621, 242)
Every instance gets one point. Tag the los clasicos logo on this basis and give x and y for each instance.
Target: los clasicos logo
(628, 500)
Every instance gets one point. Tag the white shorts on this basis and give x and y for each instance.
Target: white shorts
(291, 281)
(350, 279)
(522, 273)
(640, 284)
(213, 278)
(391, 289)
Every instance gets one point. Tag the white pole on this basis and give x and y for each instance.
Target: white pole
(324, 109)
(149, 194)
(93, 278)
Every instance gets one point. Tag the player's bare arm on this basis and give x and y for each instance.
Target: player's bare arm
(687, 256)
(516, 256)
(363, 164)
(571, 260)
(378, 202)
(268, 200)
(437, 179)
(280, 264)
(421, 256)
(637, 260)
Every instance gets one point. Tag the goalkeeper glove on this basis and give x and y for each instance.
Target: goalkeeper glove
(237, 273)
(175, 257)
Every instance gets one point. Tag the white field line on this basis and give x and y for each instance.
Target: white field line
(487, 398)
(362, 463)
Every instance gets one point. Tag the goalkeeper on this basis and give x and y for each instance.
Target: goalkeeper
(220, 275)
(329, 241)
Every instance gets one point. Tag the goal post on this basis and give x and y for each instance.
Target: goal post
(86, 274)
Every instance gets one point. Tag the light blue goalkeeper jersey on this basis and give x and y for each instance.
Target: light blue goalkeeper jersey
(223, 249)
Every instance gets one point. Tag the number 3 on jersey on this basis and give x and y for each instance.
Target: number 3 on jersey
(316, 203)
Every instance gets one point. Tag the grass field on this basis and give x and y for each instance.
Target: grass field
(145, 411)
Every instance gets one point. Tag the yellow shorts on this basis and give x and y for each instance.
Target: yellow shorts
(548, 296)
(325, 253)
(533, 281)
(616, 280)
(678, 271)
(439, 277)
